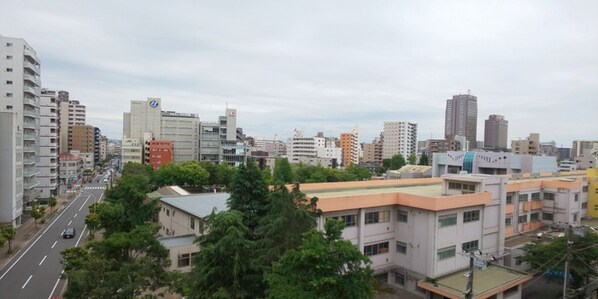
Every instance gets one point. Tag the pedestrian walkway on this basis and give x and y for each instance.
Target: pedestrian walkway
(27, 230)
(95, 188)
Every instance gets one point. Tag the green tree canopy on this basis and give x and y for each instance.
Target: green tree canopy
(224, 174)
(222, 268)
(248, 194)
(396, 162)
(359, 172)
(124, 265)
(170, 174)
(8, 233)
(282, 171)
(52, 201)
(195, 176)
(544, 256)
(323, 266)
(412, 159)
(423, 159)
(210, 167)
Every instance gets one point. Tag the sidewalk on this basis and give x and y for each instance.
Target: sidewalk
(28, 230)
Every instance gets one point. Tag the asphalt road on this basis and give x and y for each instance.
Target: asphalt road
(35, 271)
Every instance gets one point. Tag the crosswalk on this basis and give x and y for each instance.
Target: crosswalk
(94, 188)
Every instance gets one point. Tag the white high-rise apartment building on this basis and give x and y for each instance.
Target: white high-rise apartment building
(48, 144)
(399, 138)
(20, 81)
(11, 168)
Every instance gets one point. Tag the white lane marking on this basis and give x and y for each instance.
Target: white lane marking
(81, 235)
(69, 223)
(54, 288)
(28, 248)
(40, 263)
(62, 233)
(75, 215)
(54, 244)
(26, 282)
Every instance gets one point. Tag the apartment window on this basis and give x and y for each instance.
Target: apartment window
(470, 246)
(402, 216)
(400, 279)
(522, 197)
(8, 57)
(8, 107)
(8, 69)
(401, 247)
(534, 216)
(447, 252)
(508, 221)
(509, 198)
(548, 196)
(584, 205)
(447, 220)
(348, 220)
(167, 212)
(8, 82)
(184, 260)
(471, 216)
(576, 196)
(377, 217)
(574, 217)
(9, 95)
(375, 249)
(536, 196)
(9, 44)
(192, 223)
(522, 219)
(465, 188)
(585, 189)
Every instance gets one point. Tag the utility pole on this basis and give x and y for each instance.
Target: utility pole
(469, 289)
(567, 259)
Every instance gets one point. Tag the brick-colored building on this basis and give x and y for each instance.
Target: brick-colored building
(158, 152)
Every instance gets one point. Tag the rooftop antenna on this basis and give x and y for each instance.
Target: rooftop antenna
(469, 92)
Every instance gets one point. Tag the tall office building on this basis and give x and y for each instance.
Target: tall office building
(495, 132)
(349, 142)
(147, 122)
(399, 138)
(20, 81)
(222, 141)
(70, 113)
(582, 147)
(48, 144)
(461, 118)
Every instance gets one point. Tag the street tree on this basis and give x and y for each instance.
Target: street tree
(224, 174)
(210, 167)
(37, 212)
(92, 220)
(169, 174)
(223, 267)
(323, 266)
(52, 201)
(423, 159)
(359, 172)
(9, 233)
(124, 265)
(131, 192)
(550, 255)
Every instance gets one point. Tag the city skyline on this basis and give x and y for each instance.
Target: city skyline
(323, 66)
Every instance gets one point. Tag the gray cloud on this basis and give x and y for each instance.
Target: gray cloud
(323, 65)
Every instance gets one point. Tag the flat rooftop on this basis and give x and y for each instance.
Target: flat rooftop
(493, 280)
(199, 205)
(430, 189)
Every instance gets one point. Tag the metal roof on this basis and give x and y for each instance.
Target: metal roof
(199, 205)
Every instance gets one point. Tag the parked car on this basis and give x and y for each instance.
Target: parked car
(69, 233)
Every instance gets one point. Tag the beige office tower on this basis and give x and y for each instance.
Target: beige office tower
(71, 113)
(399, 138)
(496, 132)
(461, 118)
(20, 89)
(528, 146)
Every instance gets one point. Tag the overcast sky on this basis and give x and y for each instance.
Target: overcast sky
(323, 65)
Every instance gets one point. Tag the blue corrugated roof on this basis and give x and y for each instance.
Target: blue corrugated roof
(199, 205)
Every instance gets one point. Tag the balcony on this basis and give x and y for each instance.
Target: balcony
(29, 125)
(29, 89)
(29, 149)
(29, 101)
(29, 136)
(29, 185)
(28, 161)
(29, 113)
(31, 78)
(29, 172)
(31, 66)
(29, 53)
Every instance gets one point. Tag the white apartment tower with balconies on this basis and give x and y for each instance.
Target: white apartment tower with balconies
(399, 138)
(20, 81)
(48, 144)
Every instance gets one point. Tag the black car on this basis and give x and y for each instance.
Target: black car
(69, 233)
